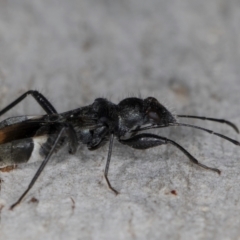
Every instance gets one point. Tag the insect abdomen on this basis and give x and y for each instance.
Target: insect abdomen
(15, 152)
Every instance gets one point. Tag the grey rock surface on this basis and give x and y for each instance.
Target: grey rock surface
(185, 53)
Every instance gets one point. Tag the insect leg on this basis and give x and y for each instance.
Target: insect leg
(146, 140)
(41, 100)
(99, 138)
(108, 163)
(72, 136)
(40, 169)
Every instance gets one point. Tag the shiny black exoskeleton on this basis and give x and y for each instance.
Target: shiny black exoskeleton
(94, 125)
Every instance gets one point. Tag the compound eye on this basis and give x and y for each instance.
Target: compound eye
(154, 116)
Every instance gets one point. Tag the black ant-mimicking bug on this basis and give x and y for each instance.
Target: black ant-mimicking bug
(94, 125)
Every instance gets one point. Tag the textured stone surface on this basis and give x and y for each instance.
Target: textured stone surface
(187, 54)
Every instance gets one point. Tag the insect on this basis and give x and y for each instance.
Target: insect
(93, 125)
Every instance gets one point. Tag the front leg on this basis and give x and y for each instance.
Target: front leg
(147, 140)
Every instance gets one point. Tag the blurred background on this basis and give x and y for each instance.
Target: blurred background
(185, 53)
